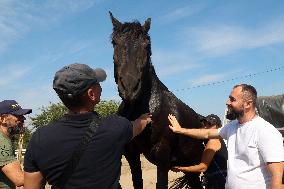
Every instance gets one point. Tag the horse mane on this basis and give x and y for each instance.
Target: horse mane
(134, 27)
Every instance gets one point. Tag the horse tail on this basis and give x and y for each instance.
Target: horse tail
(187, 181)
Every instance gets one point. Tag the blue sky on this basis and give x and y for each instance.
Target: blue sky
(193, 43)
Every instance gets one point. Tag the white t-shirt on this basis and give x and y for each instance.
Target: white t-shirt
(250, 146)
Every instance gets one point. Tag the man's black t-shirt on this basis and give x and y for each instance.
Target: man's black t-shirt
(51, 148)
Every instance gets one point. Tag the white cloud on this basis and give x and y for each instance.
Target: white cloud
(13, 73)
(197, 44)
(174, 62)
(175, 69)
(206, 79)
(217, 78)
(19, 17)
(70, 5)
(219, 40)
(10, 23)
(181, 13)
(37, 97)
(66, 49)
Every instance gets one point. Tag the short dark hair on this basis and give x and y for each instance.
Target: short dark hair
(213, 119)
(72, 101)
(249, 92)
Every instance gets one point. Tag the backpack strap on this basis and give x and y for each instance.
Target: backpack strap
(77, 154)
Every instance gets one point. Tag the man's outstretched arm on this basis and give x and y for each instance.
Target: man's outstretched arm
(140, 123)
(194, 133)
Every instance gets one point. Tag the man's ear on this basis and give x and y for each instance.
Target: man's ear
(3, 120)
(248, 103)
(91, 93)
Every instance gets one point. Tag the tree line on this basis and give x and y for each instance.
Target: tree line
(55, 111)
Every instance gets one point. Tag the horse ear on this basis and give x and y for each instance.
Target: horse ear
(147, 24)
(114, 21)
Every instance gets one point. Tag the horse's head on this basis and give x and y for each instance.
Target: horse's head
(132, 51)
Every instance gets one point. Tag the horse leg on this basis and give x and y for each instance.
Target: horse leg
(194, 181)
(162, 178)
(136, 171)
(161, 151)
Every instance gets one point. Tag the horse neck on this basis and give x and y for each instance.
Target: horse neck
(158, 92)
(156, 85)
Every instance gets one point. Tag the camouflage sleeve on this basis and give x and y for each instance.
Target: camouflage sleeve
(6, 152)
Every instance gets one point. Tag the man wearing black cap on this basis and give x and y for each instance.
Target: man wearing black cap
(51, 147)
(11, 123)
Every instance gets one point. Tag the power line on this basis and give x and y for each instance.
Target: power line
(232, 79)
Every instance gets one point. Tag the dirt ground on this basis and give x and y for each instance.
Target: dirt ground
(149, 175)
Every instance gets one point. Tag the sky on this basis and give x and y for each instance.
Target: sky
(200, 49)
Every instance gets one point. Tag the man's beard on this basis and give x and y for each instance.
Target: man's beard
(233, 114)
(19, 129)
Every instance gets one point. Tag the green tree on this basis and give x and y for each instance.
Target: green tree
(105, 108)
(27, 136)
(48, 114)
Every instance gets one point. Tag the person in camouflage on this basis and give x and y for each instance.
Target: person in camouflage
(11, 123)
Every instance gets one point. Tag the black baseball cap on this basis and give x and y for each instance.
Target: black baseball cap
(75, 79)
(12, 107)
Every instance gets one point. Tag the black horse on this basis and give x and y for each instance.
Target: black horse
(141, 92)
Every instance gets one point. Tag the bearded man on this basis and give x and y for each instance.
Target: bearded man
(255, 147)
(11, 123)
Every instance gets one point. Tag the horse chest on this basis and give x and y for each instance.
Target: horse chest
(154, 102)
